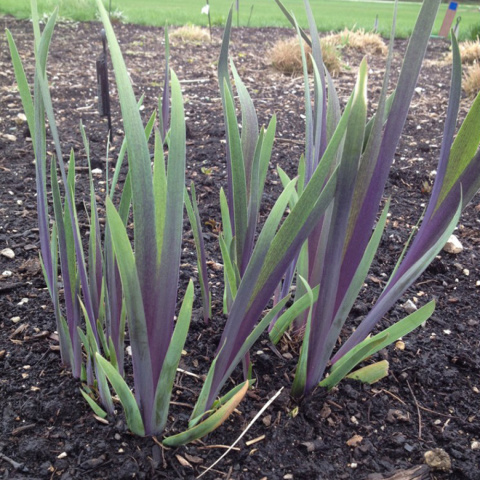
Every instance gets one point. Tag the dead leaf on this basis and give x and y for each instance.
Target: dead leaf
(183, 462)
(194, 459)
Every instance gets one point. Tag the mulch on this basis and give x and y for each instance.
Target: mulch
(430, 399)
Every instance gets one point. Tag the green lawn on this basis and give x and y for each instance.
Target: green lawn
(330, 15)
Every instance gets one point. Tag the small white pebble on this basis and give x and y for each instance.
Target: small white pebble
(475, 445)
(453, 245)
(7, 273)
(409, 306)
(8, 252)
(62, 455)
(466, 272)
(15, 319)
(20, 119)
(447, 332)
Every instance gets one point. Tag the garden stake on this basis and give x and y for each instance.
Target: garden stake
(209, 22)
(102, 86)
(250, 16)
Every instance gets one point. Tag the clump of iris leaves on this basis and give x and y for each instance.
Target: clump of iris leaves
(320, 236)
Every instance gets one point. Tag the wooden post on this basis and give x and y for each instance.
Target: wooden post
(448, 20)
(102, 86)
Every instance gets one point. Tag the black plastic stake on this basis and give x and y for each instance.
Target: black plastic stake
(102, 86)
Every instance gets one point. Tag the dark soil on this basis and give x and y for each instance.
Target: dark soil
(431, 397)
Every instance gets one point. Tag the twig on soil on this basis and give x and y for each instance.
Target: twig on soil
(288, 140)
(11, 286)
(23, 428)
(181, 404)
(392, 395)
(181, 370)
(219, 446)
(255, 440)
(196, 80)
(420, 472)
(13, 463)
(438, 413)
(418, 412)
(244, 432)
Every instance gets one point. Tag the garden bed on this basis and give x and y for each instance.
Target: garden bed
(431, 396)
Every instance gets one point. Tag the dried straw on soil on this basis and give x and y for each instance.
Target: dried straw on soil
(285, 56)
(190, 34)
(471, 81)
(469, 52)
(367, 42)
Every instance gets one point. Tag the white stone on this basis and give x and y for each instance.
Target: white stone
(20, 119)
(7, 273)
(453, 245)
(475, 445)
(8, 252)
(409, 307)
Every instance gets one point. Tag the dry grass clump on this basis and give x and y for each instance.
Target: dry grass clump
(367, 42)
(469, 52)
(286, 56)
(471, 81)
(190, 34)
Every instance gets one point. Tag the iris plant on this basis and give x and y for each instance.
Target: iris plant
(340, 249)
(326, 241)
(114, 286)
(321, 234)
